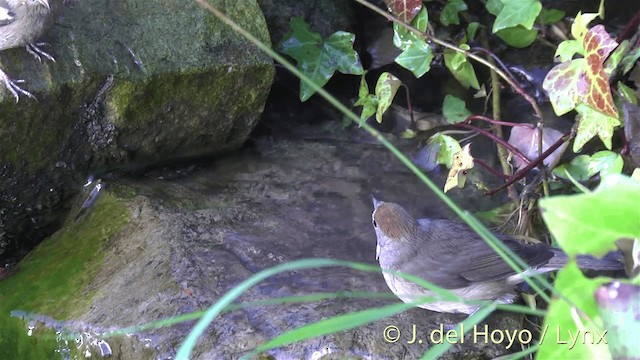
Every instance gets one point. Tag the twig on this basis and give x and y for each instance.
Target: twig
(522, 172)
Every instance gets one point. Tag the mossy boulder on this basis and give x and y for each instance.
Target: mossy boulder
(135, 83)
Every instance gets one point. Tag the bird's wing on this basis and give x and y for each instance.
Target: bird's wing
(459, 256)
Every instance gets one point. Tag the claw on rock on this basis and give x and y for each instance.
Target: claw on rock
(12, 86)
(34, 50)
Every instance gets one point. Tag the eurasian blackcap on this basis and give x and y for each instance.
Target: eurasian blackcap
(452, 256)
(22, 22)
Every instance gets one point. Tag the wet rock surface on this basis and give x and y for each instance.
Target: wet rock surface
(283, 198)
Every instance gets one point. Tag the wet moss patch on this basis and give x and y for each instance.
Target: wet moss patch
(51, 279)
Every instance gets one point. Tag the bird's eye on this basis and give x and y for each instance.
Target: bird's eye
(375, 224)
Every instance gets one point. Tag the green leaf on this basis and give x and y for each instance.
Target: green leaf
(551, 16)
(369, 102)
(630, 60)
(300, 42)
(403, 38)
(416, 58)
(627, 93)
(449, 14)
(615, 58)
(472, 29)
(454, 109)
(567, 49)
(444, 147)
(592, 123)
(583, 167)
(386, 89)
(494, 7)
(518, 36)
(317, 58)
(560, 322)
(461, 69)
(606, 162)
(517, 12)
(578, 168)
(591, 223)
(338, 50)
(580, 25)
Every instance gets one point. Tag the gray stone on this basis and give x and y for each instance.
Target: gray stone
(136, 83)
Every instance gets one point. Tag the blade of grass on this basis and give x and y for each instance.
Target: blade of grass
(332, 325)
(437, 350)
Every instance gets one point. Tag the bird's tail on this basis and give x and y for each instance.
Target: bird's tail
(611, 261)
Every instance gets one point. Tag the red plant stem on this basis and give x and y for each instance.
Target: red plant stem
(522, 172)
(497, 122)
(498, 140)
(630, 28)
(413, 122)
(491, 170)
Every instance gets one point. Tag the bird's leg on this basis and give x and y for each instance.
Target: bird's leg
(13, 87)
(34, 50)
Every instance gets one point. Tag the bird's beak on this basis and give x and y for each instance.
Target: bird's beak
(45, 3)
(375, 201)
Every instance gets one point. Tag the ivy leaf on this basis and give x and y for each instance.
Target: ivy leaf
(440, 149)
(583, 167)
(404, 10)
(583, 81)
(581, 23)
(598, 44)
(567, 49)
(563, 319)
(416, 58)
(551, 16)
(517, 12)
(369, 102)
(386, 89)
(591, 123)
(416, 54)
(472, 29)
(518, 36)
(317, 58)
(627, 93)
(581, 229)
(461, 69)
(449, 14)
(565, 85)
(615, 58)
(494, 7)
(630, 60)
(454, 109)
(460, 166)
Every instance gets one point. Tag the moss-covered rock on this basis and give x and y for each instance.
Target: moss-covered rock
(135, 83)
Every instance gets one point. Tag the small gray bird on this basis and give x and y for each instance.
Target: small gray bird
(22, 22)
(452, 256)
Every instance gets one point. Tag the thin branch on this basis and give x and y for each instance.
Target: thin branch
(522, 172)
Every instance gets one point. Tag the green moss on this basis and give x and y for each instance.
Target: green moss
(16, 344)
(51, 279)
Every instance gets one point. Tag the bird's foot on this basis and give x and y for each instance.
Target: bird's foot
(34, 50)
(13, 87)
